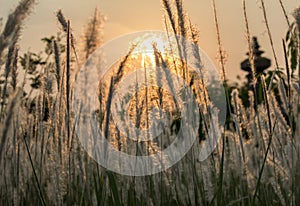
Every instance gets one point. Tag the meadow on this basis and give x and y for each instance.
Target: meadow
(43, 162)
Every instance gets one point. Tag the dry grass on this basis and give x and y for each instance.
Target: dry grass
(42, 161)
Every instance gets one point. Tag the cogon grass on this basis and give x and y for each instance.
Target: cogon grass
(65, 27)
(271, 41)
(52, 168)
(7, 123)
(296, 15)
(57, 63)
(11, 31)
(92, 36)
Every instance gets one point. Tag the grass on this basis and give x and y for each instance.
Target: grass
(42, 161)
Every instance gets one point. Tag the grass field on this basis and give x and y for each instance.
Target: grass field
(42, 161)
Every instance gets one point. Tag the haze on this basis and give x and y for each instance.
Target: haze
(135, 15)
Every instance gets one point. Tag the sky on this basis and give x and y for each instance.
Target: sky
(128, 16)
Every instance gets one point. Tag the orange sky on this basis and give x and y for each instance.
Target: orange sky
(135, 15)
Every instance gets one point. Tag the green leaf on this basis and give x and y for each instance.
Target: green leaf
(113, 188)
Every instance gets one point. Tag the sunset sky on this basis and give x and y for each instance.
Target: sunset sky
(135, 15)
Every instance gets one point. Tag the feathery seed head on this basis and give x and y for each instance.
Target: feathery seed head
(296, 15)
(62, 20)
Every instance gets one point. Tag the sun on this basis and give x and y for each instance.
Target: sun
(149, 41)
(147, 44)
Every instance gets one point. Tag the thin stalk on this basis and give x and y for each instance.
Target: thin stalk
(64, 24)
(7, 124)
(147, 107)
(251, 55)
(287, 72)
(271, 42)
(285, 14)
(68, 60)
(263, 166)
(220, 50)
(34, 172)
(271, 129)
(114, 81)
(221, 173)
(171, 17)
(57, 63)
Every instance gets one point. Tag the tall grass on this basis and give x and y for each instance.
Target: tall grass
(42, 161)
